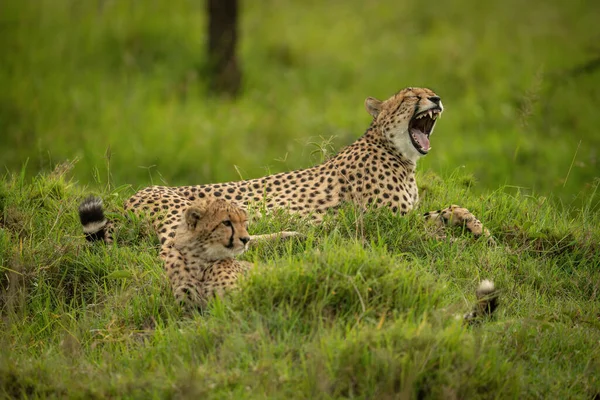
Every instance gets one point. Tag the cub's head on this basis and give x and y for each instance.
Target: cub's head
(406, 120)
(213, 230)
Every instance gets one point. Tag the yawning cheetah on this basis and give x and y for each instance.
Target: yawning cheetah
(378, 169)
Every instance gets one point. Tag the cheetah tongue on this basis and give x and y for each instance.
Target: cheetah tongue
(421, 138)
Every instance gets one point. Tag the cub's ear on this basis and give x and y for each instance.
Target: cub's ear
(373, 106)
(193, 215)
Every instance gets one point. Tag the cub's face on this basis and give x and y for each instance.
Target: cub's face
(214, 230)
(406, 120)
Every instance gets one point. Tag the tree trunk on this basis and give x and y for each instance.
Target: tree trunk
(225, 75)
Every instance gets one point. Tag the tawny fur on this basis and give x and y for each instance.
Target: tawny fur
(199, 259)
(378, 169)
(200, 263)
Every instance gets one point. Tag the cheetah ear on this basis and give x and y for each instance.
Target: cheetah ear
(193, 215)
(373, 106)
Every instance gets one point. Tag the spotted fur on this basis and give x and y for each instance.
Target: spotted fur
(200, 262)
(458, 216)
(378, 169)
(199, 259)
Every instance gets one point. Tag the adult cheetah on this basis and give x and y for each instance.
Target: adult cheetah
(378, 169)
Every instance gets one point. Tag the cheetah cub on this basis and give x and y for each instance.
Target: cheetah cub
(200, 263)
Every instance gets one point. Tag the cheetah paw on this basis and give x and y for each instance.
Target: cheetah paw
(459, 216)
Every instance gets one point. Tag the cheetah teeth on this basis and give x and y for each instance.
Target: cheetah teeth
(431, 114)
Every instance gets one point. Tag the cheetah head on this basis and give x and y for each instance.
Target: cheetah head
(214, 230)
(406, 120)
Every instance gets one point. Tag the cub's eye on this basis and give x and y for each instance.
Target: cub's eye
(227, 223)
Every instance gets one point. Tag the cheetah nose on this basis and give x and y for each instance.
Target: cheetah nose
(435, 99)
(245, 239)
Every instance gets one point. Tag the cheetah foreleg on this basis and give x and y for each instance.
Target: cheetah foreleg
(270, 237)
(458, 216)
(184, 282)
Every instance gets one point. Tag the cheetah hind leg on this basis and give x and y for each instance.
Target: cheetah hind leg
(457, 216)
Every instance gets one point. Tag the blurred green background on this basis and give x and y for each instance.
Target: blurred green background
(121, 82)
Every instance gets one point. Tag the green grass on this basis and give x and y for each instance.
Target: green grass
(122, 79)
(367, 305)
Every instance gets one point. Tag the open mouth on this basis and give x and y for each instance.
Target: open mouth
(421, 126)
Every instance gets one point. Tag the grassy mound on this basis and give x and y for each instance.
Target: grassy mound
(364, 306)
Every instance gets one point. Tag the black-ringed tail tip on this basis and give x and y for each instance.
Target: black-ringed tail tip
(487, 302)
(92, 218)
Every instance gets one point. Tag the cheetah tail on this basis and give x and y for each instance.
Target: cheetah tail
(92, 219)
(487, 302)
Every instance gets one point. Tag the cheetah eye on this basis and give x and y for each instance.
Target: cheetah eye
(227, 223)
